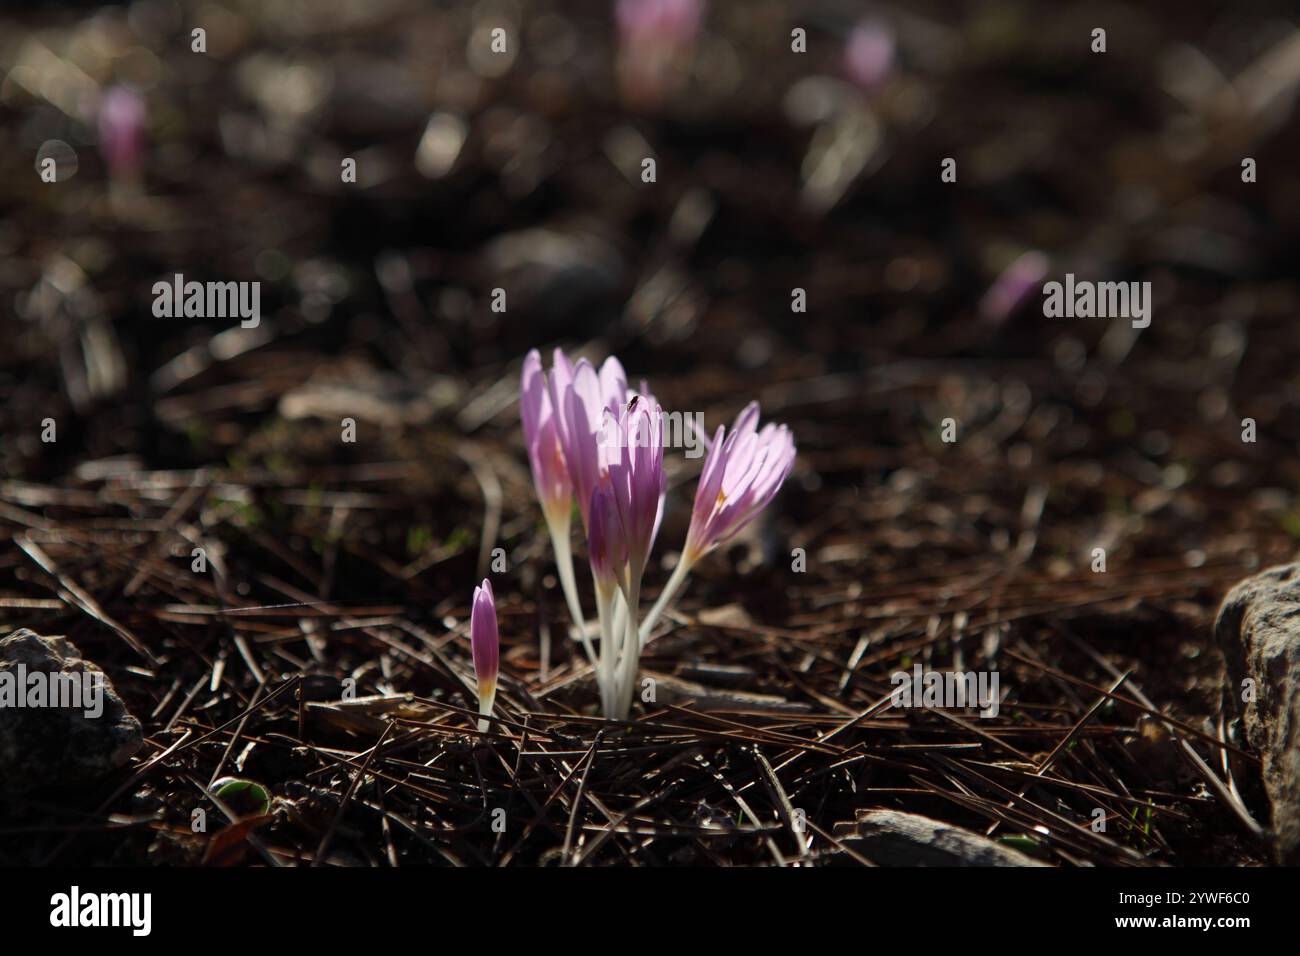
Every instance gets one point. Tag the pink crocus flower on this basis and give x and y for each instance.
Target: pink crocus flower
(581, 396)
(121, 117)
(742, 474)
(485, 645)
(626, 510)
(636, 473)
(561, 414)
(550, 473)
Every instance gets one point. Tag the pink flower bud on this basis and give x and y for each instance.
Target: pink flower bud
(485, 645)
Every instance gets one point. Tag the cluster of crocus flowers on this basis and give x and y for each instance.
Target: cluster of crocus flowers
(485, 645)
(589, 434)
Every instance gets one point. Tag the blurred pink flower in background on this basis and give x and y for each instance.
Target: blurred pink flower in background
(1013, 286)
(869, 54)
(656, 40)
(122, 117)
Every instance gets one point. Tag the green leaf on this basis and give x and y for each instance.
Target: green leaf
(1023, 843)
(245, 797)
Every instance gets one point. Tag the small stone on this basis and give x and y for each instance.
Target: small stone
(42, 745)
(1258, 630)
(893, 838)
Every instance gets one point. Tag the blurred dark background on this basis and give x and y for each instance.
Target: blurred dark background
(775, 170)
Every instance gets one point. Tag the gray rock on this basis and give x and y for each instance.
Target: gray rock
(45, 745)
(893, 838)
(1258, 630)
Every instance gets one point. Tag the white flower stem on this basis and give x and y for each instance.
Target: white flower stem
(619, 622)
(631, 655)
(564, 564)
(485, 708)
(675, 582)
(605, 667)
